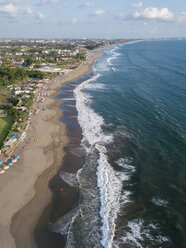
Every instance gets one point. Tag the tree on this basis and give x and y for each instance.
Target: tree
(27, 102)
(11, 75)
(12, 111)
(28, 61)
(32, 95)
(14, 100)
(36, 74)
(81, 56)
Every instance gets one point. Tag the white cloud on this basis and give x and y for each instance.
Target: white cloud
(66, 4)
(145, 24)
(40, 15)
(99, 12)
(153, 30)
(121, 16)
(28, 11)
(49, 1)
(87, 4)
(155, 13)
(181, 18)
(9, 1)
(10, 10)
(137, 5)
(73, 21)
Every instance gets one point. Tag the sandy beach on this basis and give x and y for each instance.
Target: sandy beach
(24, 190)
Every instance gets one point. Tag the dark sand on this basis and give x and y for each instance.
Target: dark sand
(29, 225)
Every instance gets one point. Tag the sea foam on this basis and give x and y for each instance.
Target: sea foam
(138, 231)
(110, 187)
(109, 184)
(89, 121)
(114, 55)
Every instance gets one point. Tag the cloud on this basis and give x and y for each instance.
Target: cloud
(10, 10)
(28, 11)
(137, 5)
(87, 4)
(40, 15)
(153, 30)
(9, 1)
(49, 1)
(121, 16)
(99, 12)
(181, 18)
(66, 4)
(155, 13)
(73, 21)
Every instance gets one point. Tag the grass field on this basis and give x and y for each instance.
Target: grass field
(5, 125)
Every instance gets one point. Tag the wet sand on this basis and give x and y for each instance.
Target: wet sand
(67, 199)
(24, 192)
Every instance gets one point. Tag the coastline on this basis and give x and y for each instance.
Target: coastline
(24, 188)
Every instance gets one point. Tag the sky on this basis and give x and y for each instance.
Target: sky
(92, 19)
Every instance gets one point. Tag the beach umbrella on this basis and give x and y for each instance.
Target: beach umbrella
(6, 167)
(17, 157)
(2, 171)
(6, 156)
(13, 136)
(0, 160)
(10, 164)
(14, 160)
(26, 147)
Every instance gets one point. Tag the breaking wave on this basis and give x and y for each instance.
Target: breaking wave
(105, 182)
(94, 142)
(139, 231)
(159, 202)
(114, 55)
(92, 224)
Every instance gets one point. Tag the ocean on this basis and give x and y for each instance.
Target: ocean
(132, 113)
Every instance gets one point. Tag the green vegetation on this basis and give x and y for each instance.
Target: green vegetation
(11, 111)
(81, 56)
(5, 126)
(92, 46)
(27, 102)
(14, 100)
(10, 76)
(32, 96)
(28, 61)
(36, 74)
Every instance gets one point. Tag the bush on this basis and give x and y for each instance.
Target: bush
(26, 102)
(36, 74)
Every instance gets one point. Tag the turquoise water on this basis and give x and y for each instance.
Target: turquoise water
(140, 95)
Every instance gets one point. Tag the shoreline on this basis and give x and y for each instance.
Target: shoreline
(26, 196)
(66, 200)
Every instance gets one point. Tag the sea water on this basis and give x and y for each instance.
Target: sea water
(132, 112)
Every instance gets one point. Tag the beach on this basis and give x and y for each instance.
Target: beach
(24, 190)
